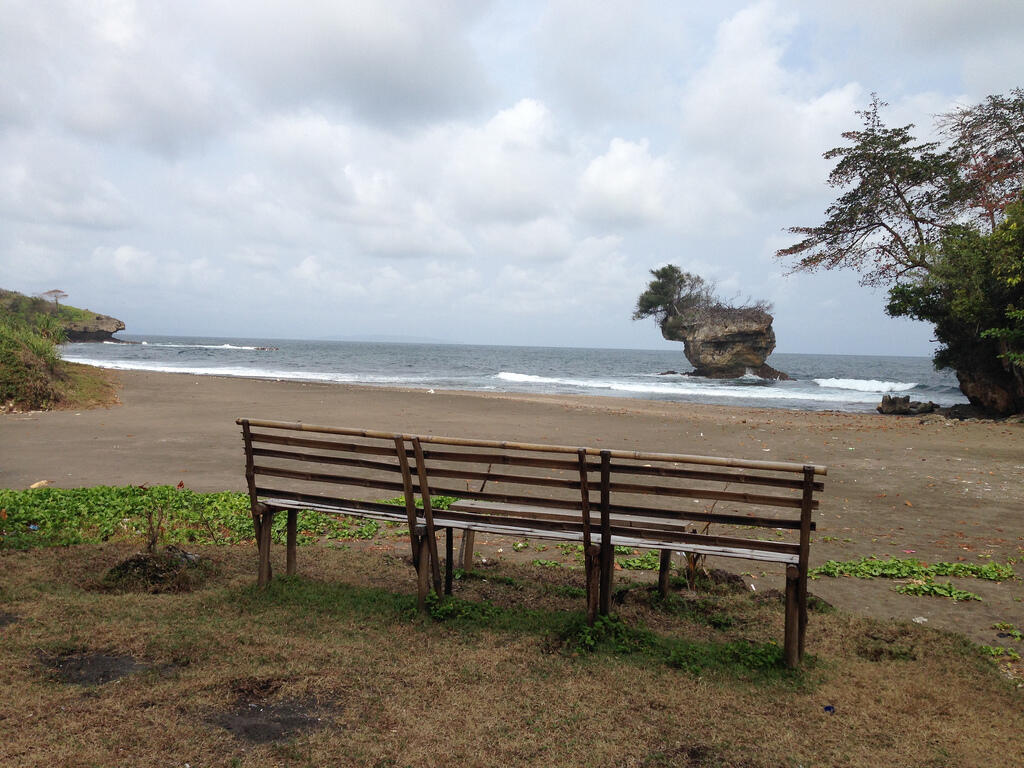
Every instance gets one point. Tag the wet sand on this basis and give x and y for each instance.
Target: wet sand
(926, 487)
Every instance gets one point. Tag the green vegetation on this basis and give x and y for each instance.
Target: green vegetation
(928, 587)
(32, 375)
(648, 561)
(678, 299)
(59, 517)
(943, 225)
(909, 568)
(921, 576)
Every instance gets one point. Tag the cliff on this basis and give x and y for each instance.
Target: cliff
(726, 343)
(78, 324)
(95, 328)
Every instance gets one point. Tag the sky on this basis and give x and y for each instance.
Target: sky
(463, 170)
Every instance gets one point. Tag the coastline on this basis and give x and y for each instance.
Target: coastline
(897, 485)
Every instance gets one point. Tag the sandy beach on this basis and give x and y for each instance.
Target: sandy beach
(926, 487)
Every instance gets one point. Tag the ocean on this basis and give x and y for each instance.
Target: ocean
(819, 382)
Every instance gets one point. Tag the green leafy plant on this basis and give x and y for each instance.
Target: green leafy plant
(938, 589)
(910, 568)
(648, 561)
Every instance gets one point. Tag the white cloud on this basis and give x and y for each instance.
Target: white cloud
(510, 170)
(626, 185)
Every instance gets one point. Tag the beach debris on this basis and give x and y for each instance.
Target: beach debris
(830, 709)
(40, 483)
(919, 620)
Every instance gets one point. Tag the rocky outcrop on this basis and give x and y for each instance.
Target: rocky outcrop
(726, 343)
(903, 406)
(996, 391)
(99, 328)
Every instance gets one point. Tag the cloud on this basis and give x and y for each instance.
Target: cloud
(626, 186)
(509, 170)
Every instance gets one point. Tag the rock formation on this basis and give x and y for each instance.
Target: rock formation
(897, 405)
(726, 343)
(99, 328)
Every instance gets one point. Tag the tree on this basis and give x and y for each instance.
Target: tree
(55, 296)
(674, 294)
(935, 222)
(681, 298)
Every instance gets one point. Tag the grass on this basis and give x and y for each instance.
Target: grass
(507, 672)
(32, 375)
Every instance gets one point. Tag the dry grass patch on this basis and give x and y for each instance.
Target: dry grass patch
(337, 668)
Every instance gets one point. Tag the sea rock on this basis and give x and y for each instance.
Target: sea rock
(904, 406)
(997, 391)
(101, 328)
(726, 343)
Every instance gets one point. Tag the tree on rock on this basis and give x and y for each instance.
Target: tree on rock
(55, 296)
(936, 222)
(720, 340)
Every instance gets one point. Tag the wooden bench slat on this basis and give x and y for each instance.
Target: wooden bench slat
(701, 493)
(506, 459)
(495, 477)
(323, 477)
(506, 445)
(721, 518)
(330, 445)
(672, 518)
(720, 477)
(319, 459)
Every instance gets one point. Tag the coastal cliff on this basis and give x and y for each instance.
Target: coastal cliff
(78, 324)
(726, 343)
(96, 328)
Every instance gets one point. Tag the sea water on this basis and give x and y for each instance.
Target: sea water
(819, 382)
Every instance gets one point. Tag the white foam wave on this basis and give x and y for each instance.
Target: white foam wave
(866, 385)
(696, 387)
(250, 373)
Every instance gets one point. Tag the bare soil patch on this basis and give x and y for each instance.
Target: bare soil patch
(167, 570)
(87, 668)
(263, 722)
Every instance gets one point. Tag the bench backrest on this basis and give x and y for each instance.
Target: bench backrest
(654, 496)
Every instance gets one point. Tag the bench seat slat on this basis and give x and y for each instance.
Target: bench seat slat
(503, 528)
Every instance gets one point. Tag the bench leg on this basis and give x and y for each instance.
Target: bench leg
(592, 561)
(449, 556)
(422, 574)
(293, 524)
(607, 566)
(663, 572)
(802, 600)
(791, 644)
(265, 574)
(468, 539)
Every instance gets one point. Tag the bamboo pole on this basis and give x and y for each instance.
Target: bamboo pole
(266, 523)
(791, 643)
(250, 481)
(428, 514)
(292, 542)
(410, 499)
(607, 550)
(468, 541)
(664, 570)
(805, 547)
(449, 552)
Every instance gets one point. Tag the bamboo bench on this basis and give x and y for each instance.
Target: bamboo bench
(597, 498)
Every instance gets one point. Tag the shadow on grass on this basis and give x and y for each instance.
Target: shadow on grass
(565, 632)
